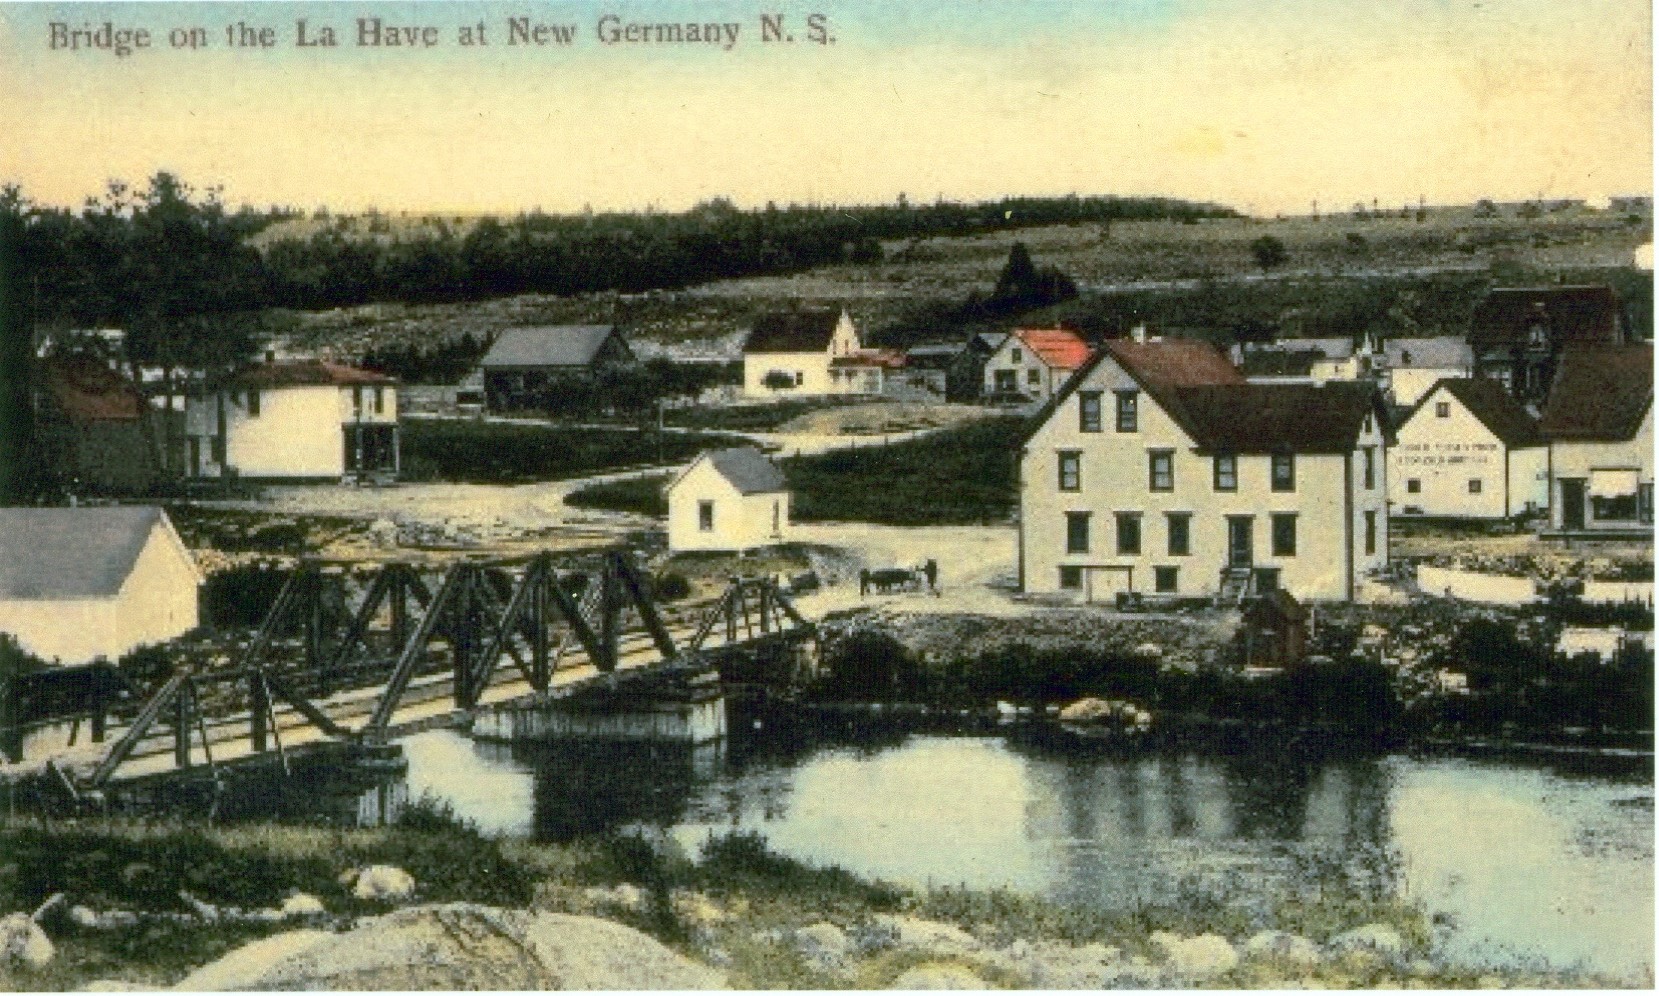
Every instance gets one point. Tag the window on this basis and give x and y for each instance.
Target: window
(1128, 410)
(1284, 534)
(1180, 533)
(1163, 579)
(1161, 470)
(705, 516)
(1033, 376)
(1071, 578)
(357, 400)
(1644, 503)
(1370, 533)
(1474, 485)
(1226, 472)
(1071, 470)
(1014, 354)
(800, 378)
(1442, 409)
(1414, 486)
(216, 448)
(1088, 411)
(1284, 472)
(1006, 380)
(1267, 580)
(1129, 534)
(253, 402)
(1370, 467)
(1365, 426)
(379, 399)
(1077, 532)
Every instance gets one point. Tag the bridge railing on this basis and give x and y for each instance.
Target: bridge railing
(315, 652)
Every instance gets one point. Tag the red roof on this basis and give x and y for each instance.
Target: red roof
(1061, 349)
(1174, 362)
(303, 373)
(85, 388)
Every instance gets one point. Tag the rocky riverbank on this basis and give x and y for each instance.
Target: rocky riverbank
(265, 907)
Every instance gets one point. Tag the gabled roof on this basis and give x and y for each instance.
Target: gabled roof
(1586, 314)
(1277, 418)
(744, 467)
(1491, 403)
(1214, 405)
(1441, 352)
(807, 330)
(1280, 362)
(1600, 394)
(59, 554)
(989, 342)
(1059, 349)
(85, 388)
(547, 346)
(302, 373)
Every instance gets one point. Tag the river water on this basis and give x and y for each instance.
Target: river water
(1525, 862)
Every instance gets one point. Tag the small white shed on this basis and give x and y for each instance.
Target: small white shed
(733, 499)
(77, 584)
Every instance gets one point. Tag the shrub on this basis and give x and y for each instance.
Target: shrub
(241, 596)
(670, 586)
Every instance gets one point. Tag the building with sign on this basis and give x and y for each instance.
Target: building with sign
(1468, 450)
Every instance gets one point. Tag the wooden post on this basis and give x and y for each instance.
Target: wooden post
(259, 705)
(400, 607)
(539, 676)
(314, 631)
(610, 613)
(181, 725)
(460, 639)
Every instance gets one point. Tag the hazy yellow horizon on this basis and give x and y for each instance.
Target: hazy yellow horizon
(1263, 107)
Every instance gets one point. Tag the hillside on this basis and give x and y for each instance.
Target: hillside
(1343, 271)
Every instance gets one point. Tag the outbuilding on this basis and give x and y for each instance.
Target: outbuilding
(77, 584)
(1599, 423)
(551, 367)
(1469, 450)
(728, 500)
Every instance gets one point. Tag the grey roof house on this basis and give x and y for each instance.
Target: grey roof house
(548, 367)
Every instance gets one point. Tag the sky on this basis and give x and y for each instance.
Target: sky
(1263, 105)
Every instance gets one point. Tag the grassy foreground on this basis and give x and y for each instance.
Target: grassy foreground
(728, 897)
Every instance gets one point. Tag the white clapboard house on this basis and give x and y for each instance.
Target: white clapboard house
(295, 420)
(1034, 363)
(1158, 469)
(77, 584)
(1411, 365)
(808, 351)
(1468, 450)
(1599, 423)
(732, 499)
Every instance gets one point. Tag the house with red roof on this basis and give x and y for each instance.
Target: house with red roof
(294, 420)
(1157, 469)
(1034, 363)
(91, 421)
(1599, 423)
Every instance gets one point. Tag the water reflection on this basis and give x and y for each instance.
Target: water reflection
(1528, 858)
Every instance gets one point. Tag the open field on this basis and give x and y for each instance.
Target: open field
(500, 453)
(1428, 273)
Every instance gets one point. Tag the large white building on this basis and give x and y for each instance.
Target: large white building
(1034, 362)
(1158, 469)
(77, 584)
(732, 499)
(794, 353)
(1599, 423)
(305, 420)
(1468, 450)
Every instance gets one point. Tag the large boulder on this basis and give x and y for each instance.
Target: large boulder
(22, 942)
(1373, 939)
(383, 882)
(825, 947)
(460, 946)
(1196, 958)
(1058, 965)
(939, 976)
(933, 937)
(1279, 945)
